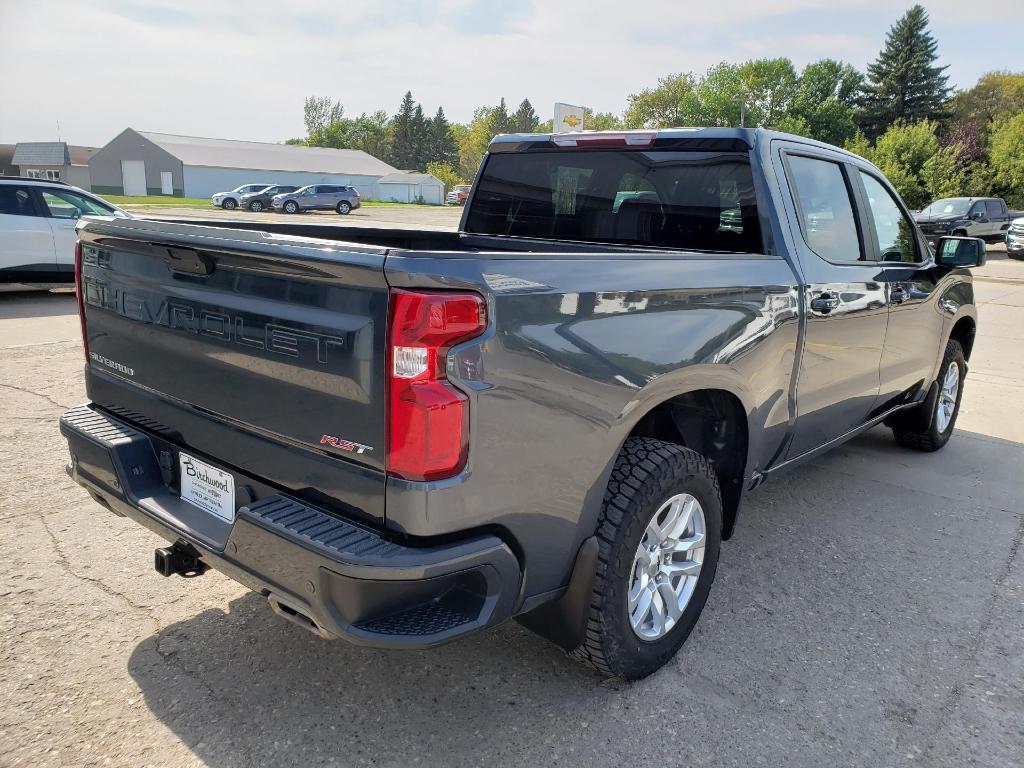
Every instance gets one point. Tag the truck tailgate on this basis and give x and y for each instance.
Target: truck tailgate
(280, 337)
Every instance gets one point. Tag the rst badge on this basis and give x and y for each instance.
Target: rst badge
(344, 445)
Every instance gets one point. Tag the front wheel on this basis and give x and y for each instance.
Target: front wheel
(344, 208)
(291, 207)
(658, 539)
(930, 428)
(229, 205)
(255, 206)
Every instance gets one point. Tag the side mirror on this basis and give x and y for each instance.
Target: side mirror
(960, 252)
(977, 216)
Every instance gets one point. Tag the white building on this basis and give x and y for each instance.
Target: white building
(138, 163)
(411, 187)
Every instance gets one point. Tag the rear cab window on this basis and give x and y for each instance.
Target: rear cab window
(677, 199)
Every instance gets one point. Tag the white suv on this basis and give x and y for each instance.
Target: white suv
(37, 228)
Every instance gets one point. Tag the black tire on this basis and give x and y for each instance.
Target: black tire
(344, 208)
(646, 473)
(229, 204)
(256, 206)
(291, 207)
(960, 233)
(919, 429)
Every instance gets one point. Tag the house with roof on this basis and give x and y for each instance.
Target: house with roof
(411, 187)
(139, 163)
(54, 160)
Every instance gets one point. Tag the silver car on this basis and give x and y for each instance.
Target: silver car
(318, 197)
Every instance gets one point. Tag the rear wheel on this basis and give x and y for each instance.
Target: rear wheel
(291, 207)
(658, 537)
(256, 206)
(344, 208)
(930, 428)
(229, 204)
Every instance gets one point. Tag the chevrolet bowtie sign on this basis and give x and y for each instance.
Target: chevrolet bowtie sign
(568, 118)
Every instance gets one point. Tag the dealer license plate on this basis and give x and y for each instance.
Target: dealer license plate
(209, 488)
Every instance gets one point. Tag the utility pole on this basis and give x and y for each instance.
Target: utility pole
(743, 111)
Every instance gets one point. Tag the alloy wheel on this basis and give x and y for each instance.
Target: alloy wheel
(666, 566)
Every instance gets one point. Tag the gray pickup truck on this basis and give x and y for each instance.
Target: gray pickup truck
(984, 217)
(553, 414)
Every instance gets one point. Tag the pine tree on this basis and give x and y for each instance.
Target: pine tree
(498, 121)
(904, 83)
(418, 132)
(525, 119)
(403, 132)
(440, 141)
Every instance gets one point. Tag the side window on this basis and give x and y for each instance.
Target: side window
(16, 201)
(994, 209)
(826, 210)
(896, 240)
(978, 207)
(67, 205)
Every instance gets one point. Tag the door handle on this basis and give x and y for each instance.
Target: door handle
(898, 294)
(824, 303)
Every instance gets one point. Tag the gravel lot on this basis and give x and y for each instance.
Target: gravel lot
(869, 611)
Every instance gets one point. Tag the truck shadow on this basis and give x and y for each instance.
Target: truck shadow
(871, 541)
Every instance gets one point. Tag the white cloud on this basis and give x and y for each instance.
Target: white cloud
(242, 70)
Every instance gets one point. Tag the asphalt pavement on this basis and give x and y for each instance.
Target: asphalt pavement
(868, 611)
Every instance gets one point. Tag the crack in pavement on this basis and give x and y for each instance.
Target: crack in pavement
(65, 565)
(27, 391)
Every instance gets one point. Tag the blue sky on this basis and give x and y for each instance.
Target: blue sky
(241, 70)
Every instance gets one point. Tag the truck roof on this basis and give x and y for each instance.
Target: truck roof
(736, 139)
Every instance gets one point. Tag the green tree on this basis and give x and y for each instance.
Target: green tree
(319, 112)
(825, 99)
(600, 121)
(498, 120)
(859, 145)
(942, 174)
(996, 95)
(419, 146)
(901, 153)
(667, 104)
(525, 119)
(441, 146)
(405, 134)
(904, 82)
(1006, 154)
(446, 173)
(473, 140)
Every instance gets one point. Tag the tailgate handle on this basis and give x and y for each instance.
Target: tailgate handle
(188, 260)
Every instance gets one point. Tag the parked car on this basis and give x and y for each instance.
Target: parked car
(1015, 239)
(260, 200)
(404, 437)
(37, 228)
(984, 217)
(458, 194)
(230, 200)
(318, 197)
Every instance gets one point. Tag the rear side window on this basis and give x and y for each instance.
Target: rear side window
(670, 199)
(16, 201)
(995, 208)
(826, 209)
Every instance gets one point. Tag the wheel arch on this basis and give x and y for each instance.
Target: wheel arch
(963, 331)
(714, 422)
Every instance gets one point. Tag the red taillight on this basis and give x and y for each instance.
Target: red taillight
(80, 294)
(428, 418)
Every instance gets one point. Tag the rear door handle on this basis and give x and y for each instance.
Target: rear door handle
(824, 303)
(898, 294)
